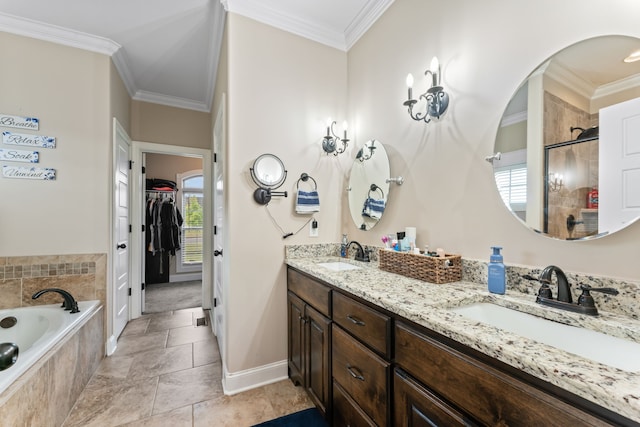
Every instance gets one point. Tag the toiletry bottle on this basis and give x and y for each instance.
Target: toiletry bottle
(343, 246)
(496, 276)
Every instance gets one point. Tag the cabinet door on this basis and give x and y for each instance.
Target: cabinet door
(346, 413)
(296, 325)
(415, 406)
(318, 381)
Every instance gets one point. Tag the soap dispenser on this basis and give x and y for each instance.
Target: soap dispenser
(343, 246)
(496, 276)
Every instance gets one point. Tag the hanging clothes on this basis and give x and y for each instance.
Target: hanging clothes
(163, 226)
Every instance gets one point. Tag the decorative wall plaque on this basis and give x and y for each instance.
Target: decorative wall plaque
(19, 122)
(19, 156)
(30, 140)
(21, 172)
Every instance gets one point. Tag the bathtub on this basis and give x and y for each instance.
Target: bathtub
(37, 330)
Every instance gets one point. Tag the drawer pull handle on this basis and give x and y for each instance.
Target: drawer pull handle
(354, 373)
(355, 320)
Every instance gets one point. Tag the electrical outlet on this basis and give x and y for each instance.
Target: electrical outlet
(313, 228)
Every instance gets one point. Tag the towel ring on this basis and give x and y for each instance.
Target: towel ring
(305, 177)
(374, 188)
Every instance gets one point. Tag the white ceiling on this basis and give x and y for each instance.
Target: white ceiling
(166, 51)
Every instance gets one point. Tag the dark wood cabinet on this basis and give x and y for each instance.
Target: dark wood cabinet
(309, 338)
(362, 374)
(365, 366)
(488, 395)
(416, 406)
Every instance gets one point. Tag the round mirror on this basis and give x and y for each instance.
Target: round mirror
(368, 185)
(569, 157)
(268, 171)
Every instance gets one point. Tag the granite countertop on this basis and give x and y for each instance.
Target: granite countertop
(428, 304)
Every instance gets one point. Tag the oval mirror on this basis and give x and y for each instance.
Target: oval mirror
(569, 163)
(368, 187)
(268, 171)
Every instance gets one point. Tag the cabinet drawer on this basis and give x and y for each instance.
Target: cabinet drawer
(370, 326)
(346, 412)
(362, 374)
(414, 405)
(493, 397)
(313, 292)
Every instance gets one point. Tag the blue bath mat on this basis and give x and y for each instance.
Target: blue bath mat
(308, 418)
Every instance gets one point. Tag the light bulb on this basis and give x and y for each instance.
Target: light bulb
(409, 80)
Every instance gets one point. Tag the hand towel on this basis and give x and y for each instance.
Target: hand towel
(307, 202)
(373, 208)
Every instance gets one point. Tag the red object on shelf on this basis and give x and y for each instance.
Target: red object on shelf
(592, 199)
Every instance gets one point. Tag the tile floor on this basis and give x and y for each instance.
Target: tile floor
(167, 372)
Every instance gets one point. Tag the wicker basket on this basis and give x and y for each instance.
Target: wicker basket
(421, 267)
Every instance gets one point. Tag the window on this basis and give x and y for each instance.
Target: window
(190, 185)
(511, 179)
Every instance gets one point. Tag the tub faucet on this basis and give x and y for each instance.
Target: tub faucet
(361, 254)
(69, 302)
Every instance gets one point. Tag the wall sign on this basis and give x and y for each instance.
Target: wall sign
(31, 140)
(19, 122)
(19, 156)
(21, 172)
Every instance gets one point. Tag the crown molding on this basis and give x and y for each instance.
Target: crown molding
(55, 34)
(364, 20)
(172, 101)
(256, 10)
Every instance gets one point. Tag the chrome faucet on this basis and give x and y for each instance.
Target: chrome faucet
(585, 304)
(361, 253)
(69, 302)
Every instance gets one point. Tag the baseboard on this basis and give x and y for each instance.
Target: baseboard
(112, 344)
(185, 277)
(237, 382)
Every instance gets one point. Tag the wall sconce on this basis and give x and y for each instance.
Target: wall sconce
(330, 140)
(555, 182)
(362, 156)
(436, 99)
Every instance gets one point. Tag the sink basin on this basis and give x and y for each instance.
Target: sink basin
(596, 346)
(338, 266)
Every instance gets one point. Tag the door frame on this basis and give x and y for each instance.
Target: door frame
(137, 199)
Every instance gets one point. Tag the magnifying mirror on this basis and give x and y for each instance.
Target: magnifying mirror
(268, 173)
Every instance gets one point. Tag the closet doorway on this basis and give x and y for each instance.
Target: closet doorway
(172, 206)
(173, 224)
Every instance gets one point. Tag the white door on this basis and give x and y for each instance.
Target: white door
(619, 175)
(121, 231)
(218, 235)
(143, 257)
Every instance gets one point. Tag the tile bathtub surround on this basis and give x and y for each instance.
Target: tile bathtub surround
(84, 276)
(45, 394)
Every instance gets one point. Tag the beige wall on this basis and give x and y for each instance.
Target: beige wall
(68, 90)
(486, 50)
(281, 89)
(120, 99)
(169, 125)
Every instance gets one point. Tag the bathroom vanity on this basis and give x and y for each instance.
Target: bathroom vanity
(375, 348)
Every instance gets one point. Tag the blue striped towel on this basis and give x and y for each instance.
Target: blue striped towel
(373, 208)
(307, 202)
